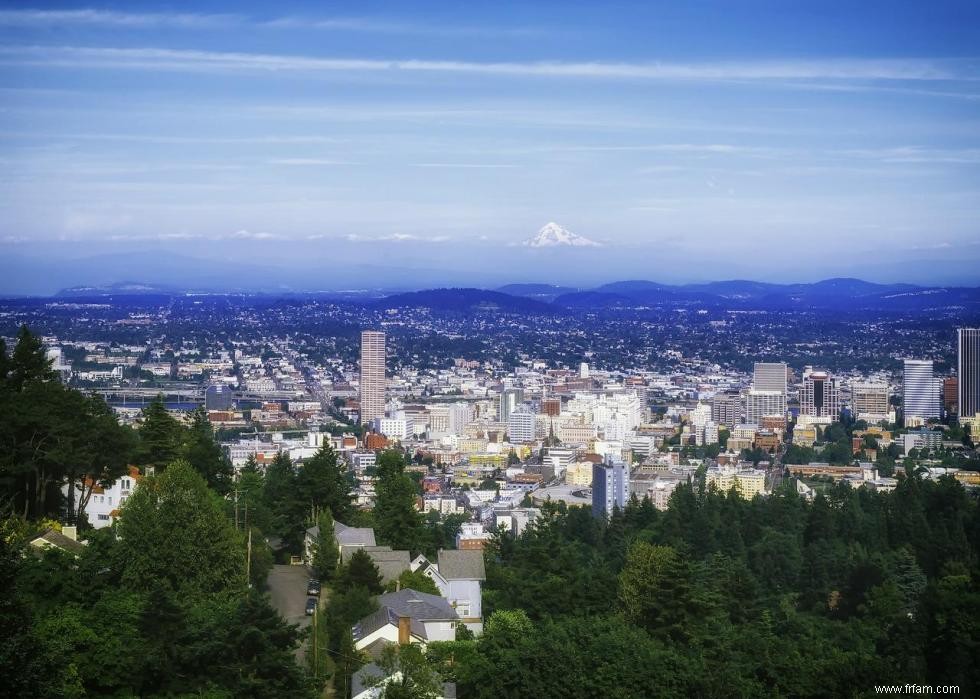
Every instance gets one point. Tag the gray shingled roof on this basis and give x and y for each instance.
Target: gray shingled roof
(383, 617)
(390, 563)
(462, 565)
(418, 605)
(346, 553)
(372, 622)
(353, 536)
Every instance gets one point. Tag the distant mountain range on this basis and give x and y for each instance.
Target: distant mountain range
(532, 298)
(829, 294)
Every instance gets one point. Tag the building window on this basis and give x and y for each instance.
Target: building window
(103, 518)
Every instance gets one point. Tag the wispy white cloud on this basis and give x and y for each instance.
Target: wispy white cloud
(47, 18)
(249, 235)
(696, 148)
(476, 166)
(189, 20)
(396, 238)
(184, 235)
(308, 161)
(211, 61)
(917, 154)
(374, 25)
(164, 138)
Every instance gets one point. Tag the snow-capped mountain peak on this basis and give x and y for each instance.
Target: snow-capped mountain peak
(552, 235)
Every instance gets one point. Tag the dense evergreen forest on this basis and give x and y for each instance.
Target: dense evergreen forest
(719, 597)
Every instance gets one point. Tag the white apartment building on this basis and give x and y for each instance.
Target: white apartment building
(520, 426)
(393, 428)
(104, 503)
(758, 404)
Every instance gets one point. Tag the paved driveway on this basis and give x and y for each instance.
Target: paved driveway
(287, 590)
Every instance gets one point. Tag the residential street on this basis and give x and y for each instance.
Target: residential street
(287, 590)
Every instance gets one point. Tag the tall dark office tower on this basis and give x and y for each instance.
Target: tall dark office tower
(968, 371)
(372, 386)
(820, 395)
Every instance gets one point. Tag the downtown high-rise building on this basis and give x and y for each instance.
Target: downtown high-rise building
(508, 401)
(968, 371)
(727, 408)
(610, 487)
(770, 376)
(372, 382)
(759, 404)
(920, 393)
(869, 399)
(820, 394)
(521, 426)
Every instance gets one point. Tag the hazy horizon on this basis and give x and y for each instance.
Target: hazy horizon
(282, 271)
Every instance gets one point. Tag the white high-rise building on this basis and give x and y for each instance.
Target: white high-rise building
(520, 426)
(700, 415)
(394, 428)
(920, 394)
(460, 415)
(710, 433)
(770, 376)
(761, 403)
(583, 370)
(372, 381)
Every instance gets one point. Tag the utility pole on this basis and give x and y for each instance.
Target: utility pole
(316, 658)
(248, 561)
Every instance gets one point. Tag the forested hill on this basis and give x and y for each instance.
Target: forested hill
(722, 597)
(467, 300)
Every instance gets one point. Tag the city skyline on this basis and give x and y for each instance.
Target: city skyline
(659, 133)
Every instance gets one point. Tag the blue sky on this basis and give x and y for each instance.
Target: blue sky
(696, 140)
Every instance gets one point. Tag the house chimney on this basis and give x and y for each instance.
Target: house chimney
(404, 630)
(70, 532)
